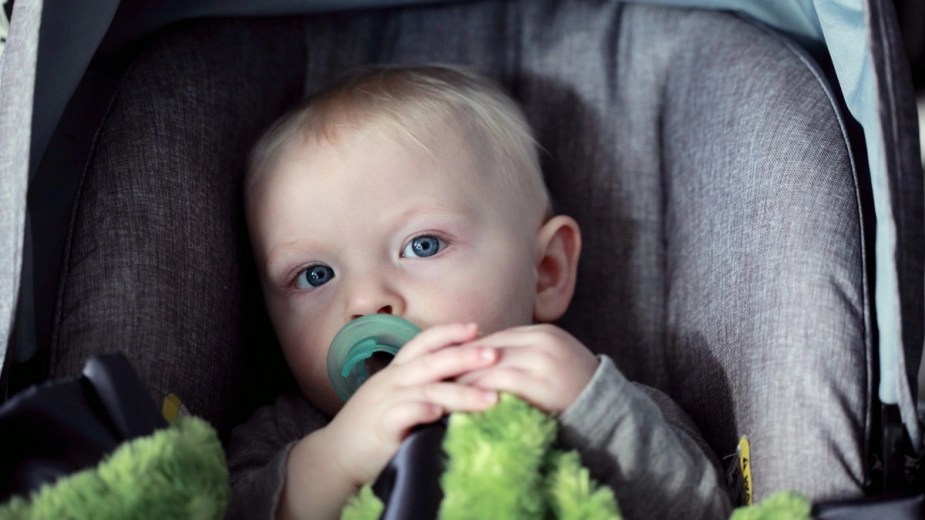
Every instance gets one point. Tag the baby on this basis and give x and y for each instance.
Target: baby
(417, 192)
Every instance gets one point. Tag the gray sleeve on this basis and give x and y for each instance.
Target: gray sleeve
(257, 454)
(640, 443)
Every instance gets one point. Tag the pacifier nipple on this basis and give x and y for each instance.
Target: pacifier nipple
(363, 347)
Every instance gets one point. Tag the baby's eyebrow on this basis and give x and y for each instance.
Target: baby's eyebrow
(416, 212)
(284, 254)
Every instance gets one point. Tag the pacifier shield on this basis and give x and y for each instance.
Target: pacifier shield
(358, 349)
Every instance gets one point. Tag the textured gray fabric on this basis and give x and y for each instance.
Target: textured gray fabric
(73, 31)
(640, 443)
(258, 451)
(17, 79)
(154, 265)
(722, 254)
(766, 301)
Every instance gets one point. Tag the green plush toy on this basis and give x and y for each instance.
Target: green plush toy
(503, 464)
(176, 472)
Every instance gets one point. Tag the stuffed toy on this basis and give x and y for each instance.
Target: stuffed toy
(503, 464)
(500, 464)
(175, 472)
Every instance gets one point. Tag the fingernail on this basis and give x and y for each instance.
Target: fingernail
(488, 354)
(490, 396)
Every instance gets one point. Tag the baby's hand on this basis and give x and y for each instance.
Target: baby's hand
(416, 388)
(542, 364)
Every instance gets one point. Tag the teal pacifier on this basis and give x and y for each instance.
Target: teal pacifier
(363, 346)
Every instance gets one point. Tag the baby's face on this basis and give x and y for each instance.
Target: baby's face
(368, 225)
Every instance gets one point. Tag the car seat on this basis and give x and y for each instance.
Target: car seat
(720, 189)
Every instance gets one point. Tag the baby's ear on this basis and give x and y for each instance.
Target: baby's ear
(558, 246)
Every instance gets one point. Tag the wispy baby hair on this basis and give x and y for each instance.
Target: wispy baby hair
(416, 103)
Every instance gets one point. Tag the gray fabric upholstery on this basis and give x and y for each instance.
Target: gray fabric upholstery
(766, 301)
(700, 154)
(155, 260)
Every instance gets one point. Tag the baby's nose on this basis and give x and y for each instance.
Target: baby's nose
(385, 309)
(372, 295)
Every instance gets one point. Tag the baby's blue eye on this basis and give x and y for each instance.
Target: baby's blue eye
(314, 276)
(423, 246)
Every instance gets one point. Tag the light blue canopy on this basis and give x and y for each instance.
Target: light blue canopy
(30, 110)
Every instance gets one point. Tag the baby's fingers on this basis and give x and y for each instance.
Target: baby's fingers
(447, 363)
(427, 403)
(454, 397)
(436, 338)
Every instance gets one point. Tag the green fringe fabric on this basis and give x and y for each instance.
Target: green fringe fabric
(175, 473)
(783, 505)
(362, 506)
(501, 464)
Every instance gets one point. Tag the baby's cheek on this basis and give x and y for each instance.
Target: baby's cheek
(500, 311)
(309, 368)
(305, 354)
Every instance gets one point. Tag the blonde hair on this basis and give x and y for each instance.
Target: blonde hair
(415, 102)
